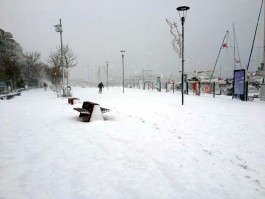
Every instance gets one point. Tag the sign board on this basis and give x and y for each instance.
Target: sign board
(158, 86)
(239, 83)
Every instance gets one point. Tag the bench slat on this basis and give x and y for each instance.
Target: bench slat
(87, 109)
(81, 110)
(104, 110)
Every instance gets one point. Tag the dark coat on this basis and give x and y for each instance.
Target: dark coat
(100, 85)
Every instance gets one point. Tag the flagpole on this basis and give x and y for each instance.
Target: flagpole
(254, 37)
(234, 35)
(263, 81)
(61, 37)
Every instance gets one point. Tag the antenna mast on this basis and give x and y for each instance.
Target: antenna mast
(254, 36)
(263, 81)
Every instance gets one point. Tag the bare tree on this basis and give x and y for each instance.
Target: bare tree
(54, 60)
(69, 60)
(54, 71)
(53, 74)
(33, 69)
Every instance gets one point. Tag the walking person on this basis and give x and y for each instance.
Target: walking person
(100, 86)
(45, 86)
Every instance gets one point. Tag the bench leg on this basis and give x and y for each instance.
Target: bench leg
(85, 117)
(96, 114)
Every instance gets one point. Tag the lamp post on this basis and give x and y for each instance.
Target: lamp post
(58, 28)
(88, 74)
(262, 86)
(182, 13)
(99, 76)
(122, 54)
(107, 74)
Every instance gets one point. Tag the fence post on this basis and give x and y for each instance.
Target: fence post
(246, 91)
(173, 86)
(199, 93)
(187, 87)
(214, 89)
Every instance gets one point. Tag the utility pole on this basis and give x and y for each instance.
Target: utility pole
(234, 36)
(122, 54)
(263, 81)
(107, 74)
(88, 74)
(61, 36)
(99, 76)
(58, 28)
(182, 13)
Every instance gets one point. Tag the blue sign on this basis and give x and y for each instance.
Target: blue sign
(239, 82)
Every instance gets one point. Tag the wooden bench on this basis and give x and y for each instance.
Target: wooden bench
(71, 100)
(9, 96)
(91, 111)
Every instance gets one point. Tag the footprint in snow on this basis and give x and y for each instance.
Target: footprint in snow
(244, 166)
(208, 152)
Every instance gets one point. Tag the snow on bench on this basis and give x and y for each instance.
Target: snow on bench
(91, 111)
(9, 95)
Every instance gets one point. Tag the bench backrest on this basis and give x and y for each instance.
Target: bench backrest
(88, 106)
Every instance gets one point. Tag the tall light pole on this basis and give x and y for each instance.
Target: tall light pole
(107, 74)
(182, 13)
(88, 75)
(99, 76)
(59, 28)
(122, 55)
(263, 80)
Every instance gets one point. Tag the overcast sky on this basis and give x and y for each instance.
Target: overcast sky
(97, 30)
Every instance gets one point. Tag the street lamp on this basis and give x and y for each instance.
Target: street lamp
(182, 13)
(122, 54)
(59, 28)
(107, 74)
(99, 76)
(88, 74)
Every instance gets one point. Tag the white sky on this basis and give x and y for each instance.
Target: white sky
(97, 30)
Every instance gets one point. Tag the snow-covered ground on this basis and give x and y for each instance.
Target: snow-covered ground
(148, 147)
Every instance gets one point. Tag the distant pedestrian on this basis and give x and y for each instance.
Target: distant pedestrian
(195, 88)
(45, 86)
(100, 86)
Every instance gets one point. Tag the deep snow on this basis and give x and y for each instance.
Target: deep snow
(149, 146)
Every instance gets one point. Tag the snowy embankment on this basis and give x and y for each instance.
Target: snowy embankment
(149, 146)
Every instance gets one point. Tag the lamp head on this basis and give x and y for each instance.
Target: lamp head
(183, 8)
(183, 12)
(123, 52)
